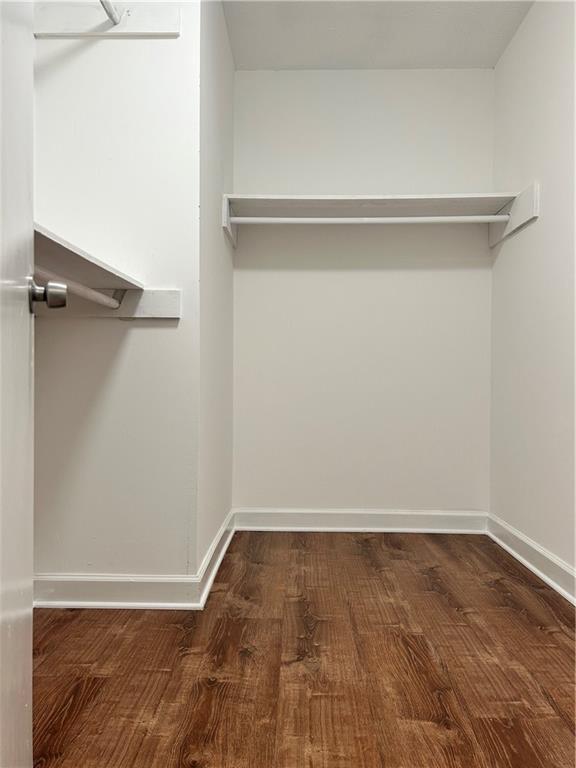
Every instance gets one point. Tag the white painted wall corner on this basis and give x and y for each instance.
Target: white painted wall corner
(152, 591)
(554, 571)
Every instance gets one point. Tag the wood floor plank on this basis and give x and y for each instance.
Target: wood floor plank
(319, 650)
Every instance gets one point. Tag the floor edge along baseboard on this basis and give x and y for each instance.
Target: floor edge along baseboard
(551, 569)
(190, 592)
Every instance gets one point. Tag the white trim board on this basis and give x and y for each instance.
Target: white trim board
(343, 520)
(190, 592)
(146, 591)
(551, 569)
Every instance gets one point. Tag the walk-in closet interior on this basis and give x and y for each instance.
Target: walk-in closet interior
(304, 430)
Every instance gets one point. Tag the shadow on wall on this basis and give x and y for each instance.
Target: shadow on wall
(363, 247)
(61, 53)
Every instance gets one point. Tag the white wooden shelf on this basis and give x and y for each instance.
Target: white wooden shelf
(97, 289)
(56, 254)
(504, 213)
(80, 20)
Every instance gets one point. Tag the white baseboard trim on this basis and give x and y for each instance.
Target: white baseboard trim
(190, 592)
(213, 558)
(359, 520)
(551, 569)
(146, 591)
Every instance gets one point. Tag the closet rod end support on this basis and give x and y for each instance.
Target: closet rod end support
(523, 210)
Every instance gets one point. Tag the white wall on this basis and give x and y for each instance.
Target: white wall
(533, 285)
(216, 277)
(371, 132)
(117, 172)
(362, 356)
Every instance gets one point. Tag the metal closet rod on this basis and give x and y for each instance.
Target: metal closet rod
(488, 219)
(79, 290)
(111, 11)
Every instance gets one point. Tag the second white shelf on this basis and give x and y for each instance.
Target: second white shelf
(495, 209)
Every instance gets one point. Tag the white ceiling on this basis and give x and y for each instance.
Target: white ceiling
(363, 34)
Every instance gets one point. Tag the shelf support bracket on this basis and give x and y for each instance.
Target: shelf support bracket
(111, 11)
(523, 210)
(230, 229)
(119, 294)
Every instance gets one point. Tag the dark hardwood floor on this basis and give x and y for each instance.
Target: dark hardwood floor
(319, 651)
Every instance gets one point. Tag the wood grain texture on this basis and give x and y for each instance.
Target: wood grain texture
(319, 650)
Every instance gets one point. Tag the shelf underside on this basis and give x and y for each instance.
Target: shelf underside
(54, 254)
(305, 206)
